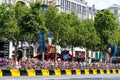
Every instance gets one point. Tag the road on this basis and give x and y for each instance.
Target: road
(65, 77)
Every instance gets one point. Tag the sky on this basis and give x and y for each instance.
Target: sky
(102, 4)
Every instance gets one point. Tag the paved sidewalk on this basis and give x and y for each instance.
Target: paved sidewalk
(64, 77)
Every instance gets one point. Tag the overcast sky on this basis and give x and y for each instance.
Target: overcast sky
(102, 4)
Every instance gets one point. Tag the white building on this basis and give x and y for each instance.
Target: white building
(115, 9)
(80, 7)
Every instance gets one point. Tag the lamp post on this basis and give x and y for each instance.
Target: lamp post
(72, 53)
(44, 7)
(15, 44)
(30, 48)
(24, 46)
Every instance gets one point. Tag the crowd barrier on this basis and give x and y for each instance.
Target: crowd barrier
(57, 72)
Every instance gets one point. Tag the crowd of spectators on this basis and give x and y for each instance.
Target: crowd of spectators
(59, 64)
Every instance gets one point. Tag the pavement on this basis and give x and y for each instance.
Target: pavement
(66, 77)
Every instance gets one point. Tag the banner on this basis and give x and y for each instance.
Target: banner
(49, 42)
(115, 51)
(41, 39)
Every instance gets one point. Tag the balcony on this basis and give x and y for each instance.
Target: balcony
(28, 1)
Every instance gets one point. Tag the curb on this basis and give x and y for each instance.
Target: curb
(56, 72)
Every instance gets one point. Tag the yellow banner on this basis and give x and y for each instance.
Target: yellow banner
(57, 72)
(78, 72)
(87, 71)
(31, 72)
(15, 72)
(45, 72)
(101, 71)
(68, 72)
(94, 71)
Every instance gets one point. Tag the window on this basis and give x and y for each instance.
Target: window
(78, 8)
(62, 3)
(116, 12)
(6, 1)
(84, 9)
(9, 1)
(4, 48)
(3, 1)
(66, 4)
(73, 6)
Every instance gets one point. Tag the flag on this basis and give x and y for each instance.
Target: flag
(49, 48)
(41, 39)
(49, 38)
(115, 51)
(49, 42)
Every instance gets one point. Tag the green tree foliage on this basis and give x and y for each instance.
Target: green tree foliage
(89, 35)
(33, 22)
(73, 35)
(20, 11)
(24, 23)
(50, 17)
(8, 21)
(107, 28)
(58, 24)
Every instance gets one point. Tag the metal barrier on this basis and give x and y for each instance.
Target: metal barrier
(56, 72)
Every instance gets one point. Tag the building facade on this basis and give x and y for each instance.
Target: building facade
(115, 9)
(26, 2)
(80, 7)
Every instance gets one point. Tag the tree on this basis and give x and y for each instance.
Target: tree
(73, 31)
(107, 28)
(33, 22)
(8, 28)
(20, 11)
(50, 18)
(89, 35)
(57, 23)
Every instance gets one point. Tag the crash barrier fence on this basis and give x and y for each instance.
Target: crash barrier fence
(56, 72)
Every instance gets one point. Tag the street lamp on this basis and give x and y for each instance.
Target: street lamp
(15, 44)
(41, 35)
(72, 53)
(24, 46)
(31, 46)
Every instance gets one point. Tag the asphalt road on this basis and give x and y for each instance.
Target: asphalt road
(65, 77)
